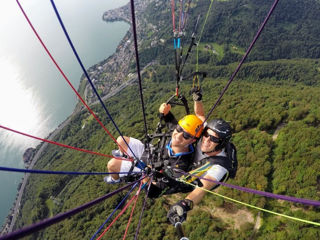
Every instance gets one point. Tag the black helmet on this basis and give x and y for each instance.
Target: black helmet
(222, 129)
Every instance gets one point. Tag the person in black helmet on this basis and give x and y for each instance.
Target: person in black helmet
(215, 156)
(175, 147)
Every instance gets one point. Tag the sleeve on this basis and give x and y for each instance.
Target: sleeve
(170, 120)
(217, 172)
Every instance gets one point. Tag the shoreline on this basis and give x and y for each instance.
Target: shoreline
(113, 63)
(7, 227)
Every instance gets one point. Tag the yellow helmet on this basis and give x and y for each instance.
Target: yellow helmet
(192, 124)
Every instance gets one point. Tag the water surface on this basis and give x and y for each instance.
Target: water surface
(34, 97)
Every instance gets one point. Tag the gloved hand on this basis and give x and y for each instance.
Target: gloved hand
(196, 93)
(168, 172)
(178, 211)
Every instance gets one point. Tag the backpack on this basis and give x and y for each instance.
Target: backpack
(230, 162)
(231, 152)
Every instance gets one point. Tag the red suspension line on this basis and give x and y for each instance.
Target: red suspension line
(133, 207)
(60, 144)
(173, 17)
(65, 77)
(180, 16)
(114, 220)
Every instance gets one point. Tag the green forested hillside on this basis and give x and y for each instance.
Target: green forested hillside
(292, 31)
(287, 165)
(273, 106)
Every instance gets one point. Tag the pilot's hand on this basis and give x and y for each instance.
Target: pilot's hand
(165, 108)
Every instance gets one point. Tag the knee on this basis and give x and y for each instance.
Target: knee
(114, 165)
(122, 142)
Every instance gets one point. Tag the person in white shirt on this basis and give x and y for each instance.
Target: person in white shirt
(215, 159)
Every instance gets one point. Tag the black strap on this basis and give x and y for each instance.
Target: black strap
(182, 102)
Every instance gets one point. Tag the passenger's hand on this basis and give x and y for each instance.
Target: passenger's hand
(165, 108)
(178, 211)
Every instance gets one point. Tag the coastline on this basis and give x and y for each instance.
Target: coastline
(8, 226)
(118, 68)
(115, 67)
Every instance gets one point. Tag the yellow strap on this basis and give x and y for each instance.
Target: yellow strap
(196, 173)
(196, 81)
(261, 209)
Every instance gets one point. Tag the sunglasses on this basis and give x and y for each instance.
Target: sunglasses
(186, 135)
(212, 138)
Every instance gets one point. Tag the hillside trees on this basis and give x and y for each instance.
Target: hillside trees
(264, 96)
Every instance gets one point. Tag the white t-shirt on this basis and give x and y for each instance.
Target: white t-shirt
(216, 171)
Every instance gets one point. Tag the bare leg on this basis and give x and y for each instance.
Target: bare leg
(123, 147)
(114, 165)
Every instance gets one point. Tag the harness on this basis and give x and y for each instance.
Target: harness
(229, 162)
(161, 156)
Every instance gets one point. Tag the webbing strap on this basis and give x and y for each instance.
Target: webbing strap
(194, 174)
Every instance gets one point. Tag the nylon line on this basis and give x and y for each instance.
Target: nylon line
(243, 58)
(61, 216)
(36, 171)
(88, 77)
(59, 144)
(173, 16)
(117, 207)
(143, 207)
(63, 74)
(132, 210)
(258, 208)
(204, 24)
(261, 193)
(134, 30)
(116, 218)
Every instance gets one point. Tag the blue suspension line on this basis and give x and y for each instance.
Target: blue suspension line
(87, 75)
(122, 201)
(61, 216)
(7, 169)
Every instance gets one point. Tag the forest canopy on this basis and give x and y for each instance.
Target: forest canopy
(273, 107)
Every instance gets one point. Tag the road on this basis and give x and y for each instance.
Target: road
(26, 176)
(52, 135)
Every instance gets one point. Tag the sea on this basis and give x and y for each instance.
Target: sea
(34, 97)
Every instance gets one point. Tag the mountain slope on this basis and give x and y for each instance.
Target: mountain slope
(266, 95)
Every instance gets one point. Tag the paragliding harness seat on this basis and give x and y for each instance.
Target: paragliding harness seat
(162, 165)
(229, 162)
(157, 158)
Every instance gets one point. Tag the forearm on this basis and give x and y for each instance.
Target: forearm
(170, 121)
(199, 110)
(197, 194)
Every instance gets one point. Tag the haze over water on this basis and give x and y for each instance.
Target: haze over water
(34, 97)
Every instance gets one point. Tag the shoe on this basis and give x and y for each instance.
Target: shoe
(117, 153)
(110, 180)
